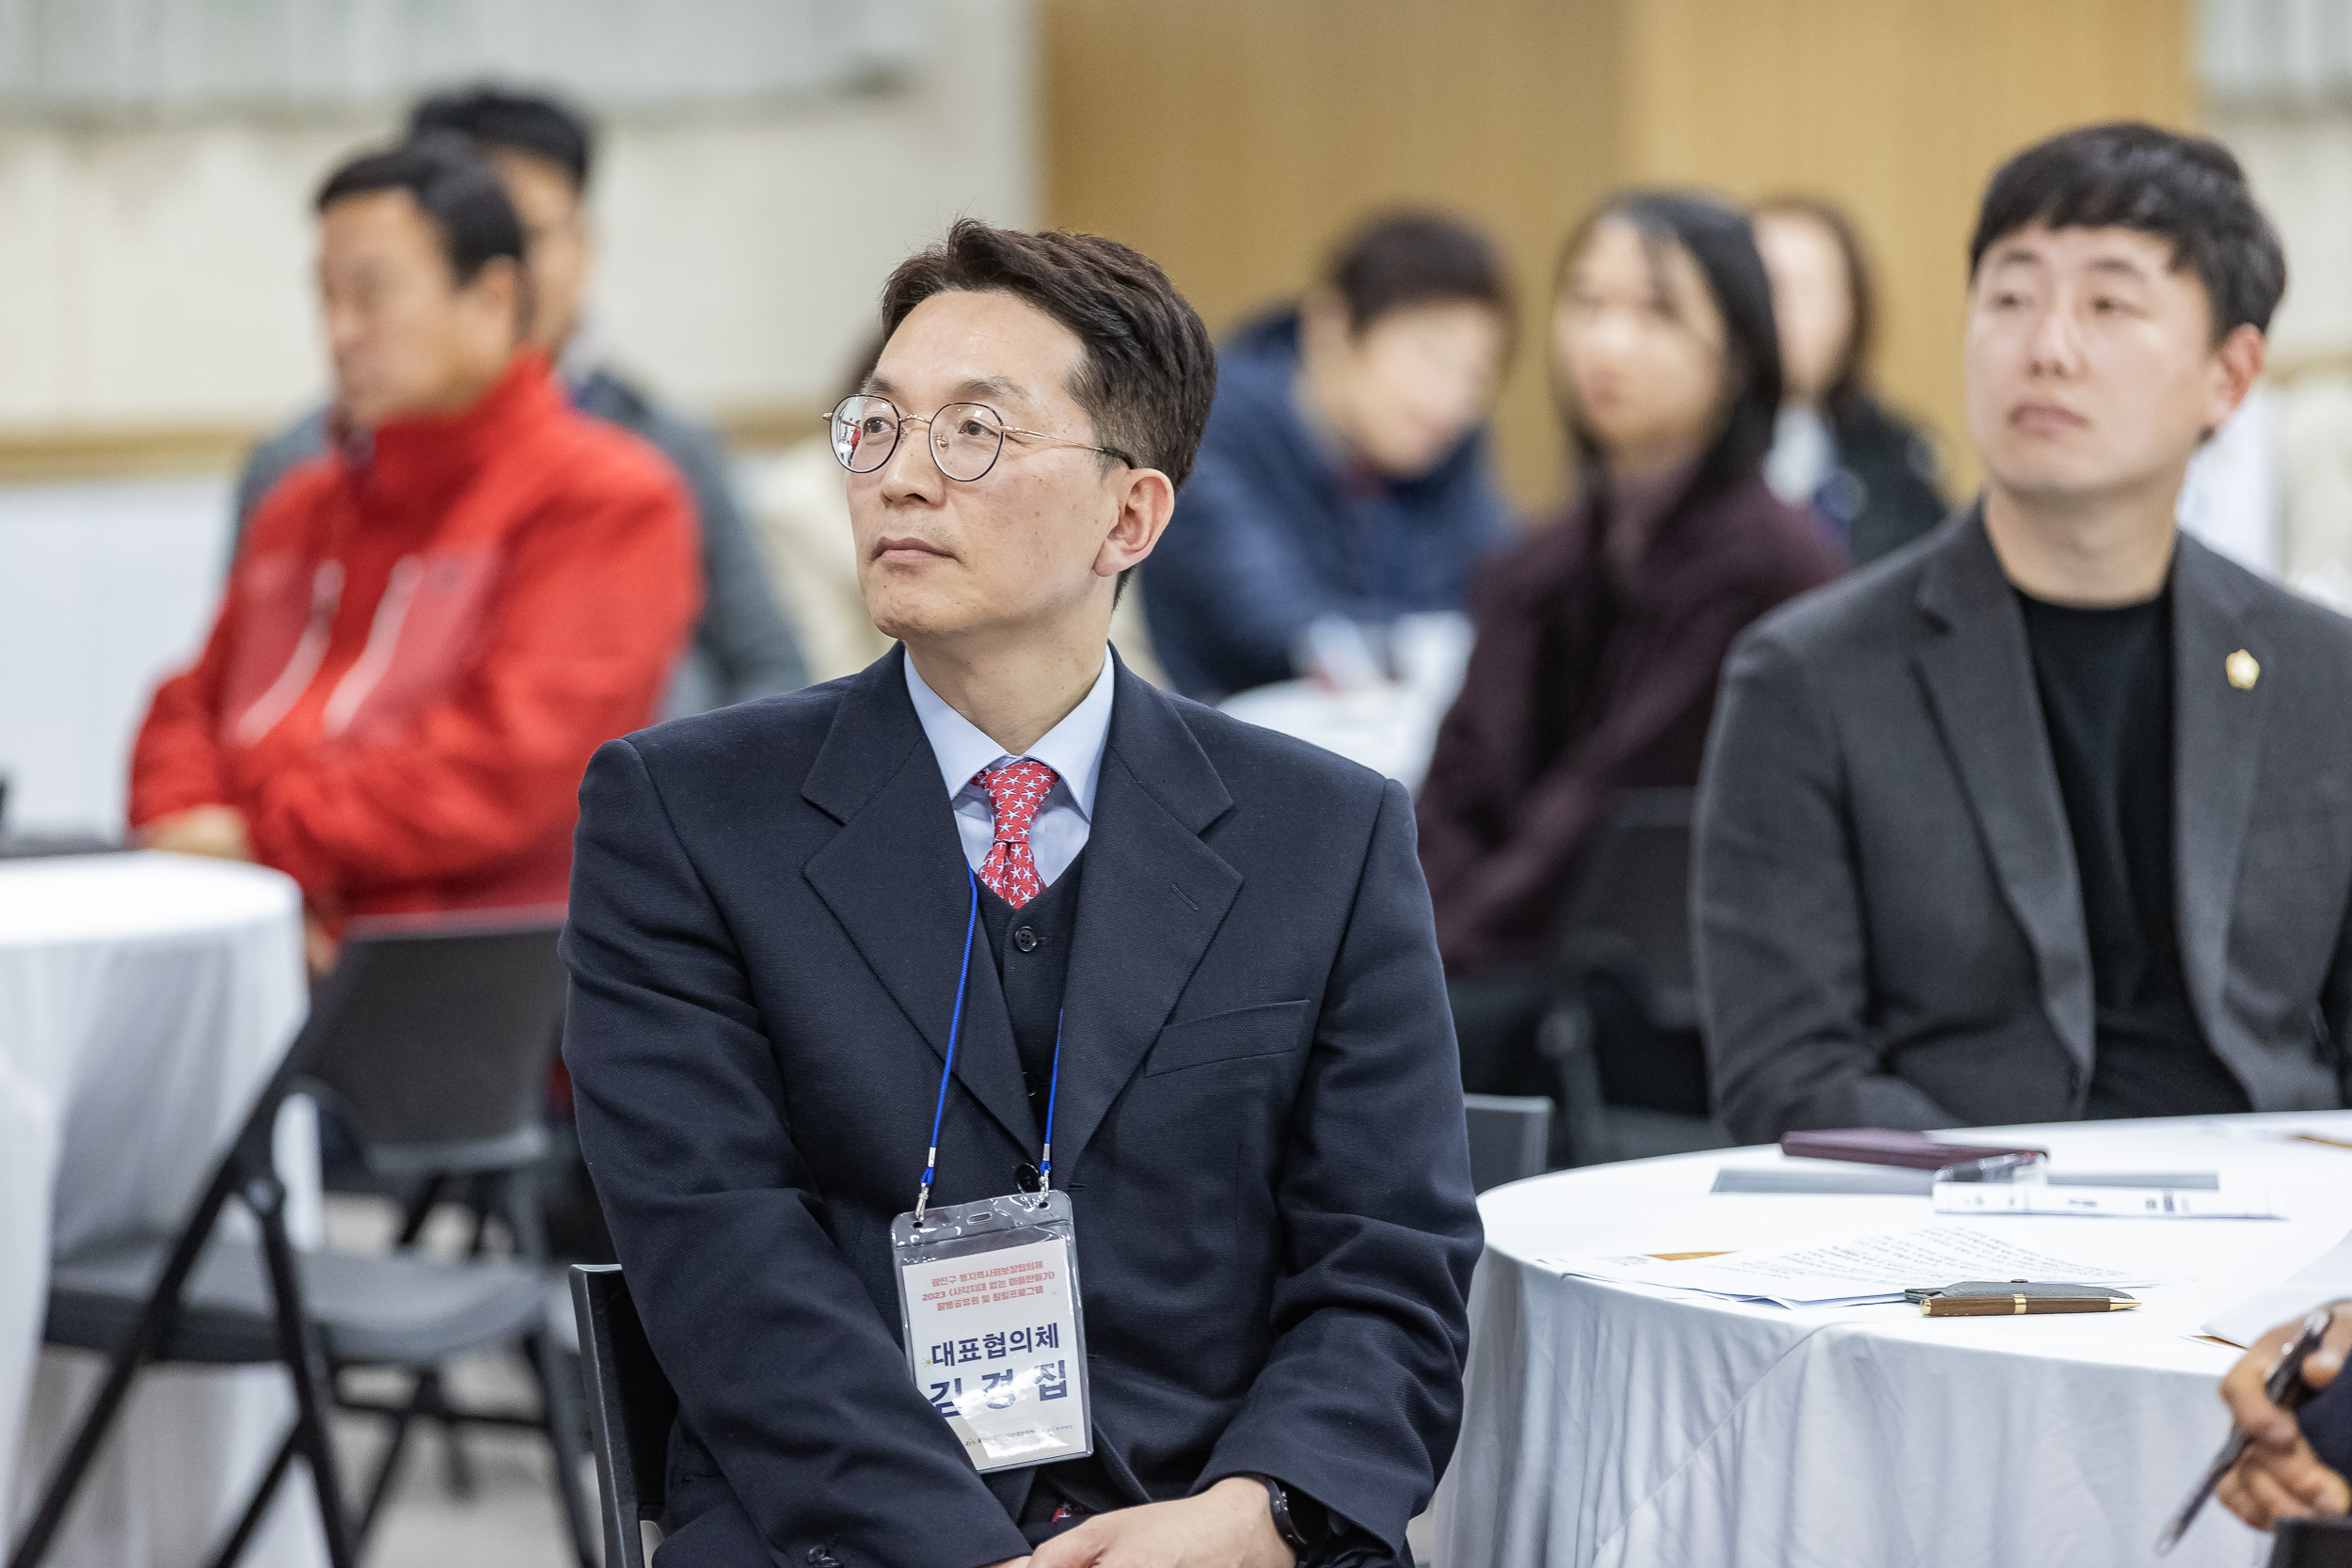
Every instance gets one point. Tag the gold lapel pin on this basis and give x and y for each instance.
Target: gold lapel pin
(2243, 669)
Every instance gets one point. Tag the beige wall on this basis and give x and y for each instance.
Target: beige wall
(1901, 110)
(154, 284)
(1235, 141)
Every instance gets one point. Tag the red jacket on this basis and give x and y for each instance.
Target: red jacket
(424, 639)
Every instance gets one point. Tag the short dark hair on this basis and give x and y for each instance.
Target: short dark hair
(1150, 372)
(493, 116)
(1853, 376)
(1416, 258)
(2187, 191)
(1720, 242)
(459, 194)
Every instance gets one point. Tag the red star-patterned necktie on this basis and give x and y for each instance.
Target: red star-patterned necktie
(1018, 792)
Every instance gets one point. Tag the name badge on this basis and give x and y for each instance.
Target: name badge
(995, 1338)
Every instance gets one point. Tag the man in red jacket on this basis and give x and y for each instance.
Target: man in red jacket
(431, 627)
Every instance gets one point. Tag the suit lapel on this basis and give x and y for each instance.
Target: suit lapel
(2217, 736)
(1153, 897)
(1979, 676)
(895, 879)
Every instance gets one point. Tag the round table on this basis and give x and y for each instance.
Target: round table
(1389, 728)
(144, 1000)
(1623, 1424)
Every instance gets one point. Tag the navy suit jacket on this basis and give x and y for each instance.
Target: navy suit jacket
(2327, 1422)
(1260, 1125)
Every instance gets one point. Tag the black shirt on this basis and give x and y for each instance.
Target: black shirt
(2106, 680)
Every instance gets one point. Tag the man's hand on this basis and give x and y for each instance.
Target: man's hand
(2281, 1476)
(218, 832)
(1229, 1526)
(318, 946)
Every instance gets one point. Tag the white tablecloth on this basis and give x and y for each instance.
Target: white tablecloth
(1388, 728)
(143, 999)
(1613, 1424)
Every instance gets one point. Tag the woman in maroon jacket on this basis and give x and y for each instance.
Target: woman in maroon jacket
(1600, 639)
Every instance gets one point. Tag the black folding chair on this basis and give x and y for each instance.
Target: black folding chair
(630, 1408)
(1624, 1037)
(429, 1041)
(1508, 1136)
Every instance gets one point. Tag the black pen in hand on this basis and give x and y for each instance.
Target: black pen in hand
(2284, 1389)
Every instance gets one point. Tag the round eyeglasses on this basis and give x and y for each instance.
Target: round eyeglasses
(966, 439)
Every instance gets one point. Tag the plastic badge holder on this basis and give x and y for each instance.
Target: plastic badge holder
(996, 1337)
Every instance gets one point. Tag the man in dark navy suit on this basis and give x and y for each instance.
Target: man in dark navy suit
(1258, 1117)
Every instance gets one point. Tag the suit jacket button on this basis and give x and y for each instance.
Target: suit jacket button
(1025, 940)
(1025, 1177)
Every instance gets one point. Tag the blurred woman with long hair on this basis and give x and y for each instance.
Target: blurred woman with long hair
(1600, 639)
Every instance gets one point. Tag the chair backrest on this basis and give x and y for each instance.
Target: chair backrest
(1628, 911)
(1508, 1136)
(2312, 1544)
(630, 1408)
(431, 1039)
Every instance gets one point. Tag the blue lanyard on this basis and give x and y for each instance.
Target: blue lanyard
(939, 1107)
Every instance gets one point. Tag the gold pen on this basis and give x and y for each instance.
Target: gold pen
(1983, 1298)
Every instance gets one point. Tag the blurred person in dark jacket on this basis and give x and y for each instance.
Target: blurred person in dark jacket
(543, 152)
(1871, 475)
(1600, 637)
(1343, 481)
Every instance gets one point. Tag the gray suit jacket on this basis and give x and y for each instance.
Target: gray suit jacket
(1888, 920)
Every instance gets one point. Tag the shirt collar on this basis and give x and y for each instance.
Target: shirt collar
(1072, 749)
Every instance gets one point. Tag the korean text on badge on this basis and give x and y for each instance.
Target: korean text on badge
(992, 1339)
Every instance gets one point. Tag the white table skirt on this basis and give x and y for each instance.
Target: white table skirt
(29, 1144)
(1610, 1424)
(143, 999)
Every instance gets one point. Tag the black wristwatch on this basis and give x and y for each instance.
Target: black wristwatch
(1303, 1529)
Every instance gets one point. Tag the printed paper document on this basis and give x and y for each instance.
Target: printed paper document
(1849, 1273)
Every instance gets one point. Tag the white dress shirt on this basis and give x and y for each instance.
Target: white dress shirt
(1072, 749)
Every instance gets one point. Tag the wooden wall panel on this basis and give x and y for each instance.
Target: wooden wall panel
(1235, 139)
(1900, 110)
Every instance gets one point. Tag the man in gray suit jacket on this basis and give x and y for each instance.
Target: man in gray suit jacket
(2050, 814)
